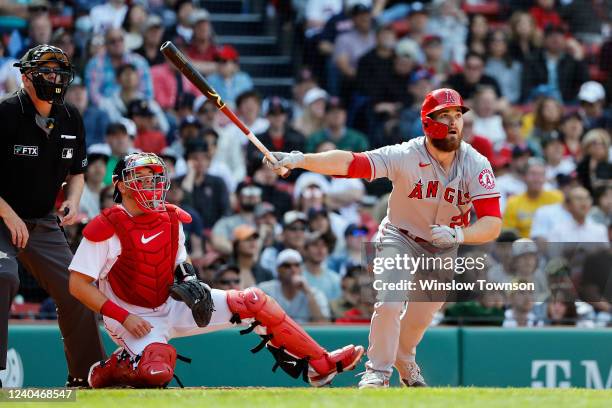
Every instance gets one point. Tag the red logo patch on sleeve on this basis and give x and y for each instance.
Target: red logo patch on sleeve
(487, 179)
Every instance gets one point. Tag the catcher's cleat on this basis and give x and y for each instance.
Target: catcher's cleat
(410, 374)
(374, 379)
(322, 371)
(73, 382)
(103, 373)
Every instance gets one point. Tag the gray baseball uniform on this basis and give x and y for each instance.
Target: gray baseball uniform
(423, 194)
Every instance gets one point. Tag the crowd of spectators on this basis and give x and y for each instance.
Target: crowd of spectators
(536, 75)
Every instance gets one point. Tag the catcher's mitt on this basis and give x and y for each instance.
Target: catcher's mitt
(195, 294)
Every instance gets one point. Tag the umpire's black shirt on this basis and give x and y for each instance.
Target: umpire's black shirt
(33, 165)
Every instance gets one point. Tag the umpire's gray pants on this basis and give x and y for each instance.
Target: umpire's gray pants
(47, 257)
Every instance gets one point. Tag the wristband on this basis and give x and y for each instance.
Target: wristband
(114, 311)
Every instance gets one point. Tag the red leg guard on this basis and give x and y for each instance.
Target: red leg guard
(286, 333)
(156, 366)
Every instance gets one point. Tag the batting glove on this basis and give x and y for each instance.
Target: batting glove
(443, 236)
(288, 160)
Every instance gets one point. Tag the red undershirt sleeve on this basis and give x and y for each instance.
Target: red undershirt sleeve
(360, 167)
(487, 207)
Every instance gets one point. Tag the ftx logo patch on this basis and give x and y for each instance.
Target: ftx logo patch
(20, 150)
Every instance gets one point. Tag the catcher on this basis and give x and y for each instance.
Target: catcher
(148, 293)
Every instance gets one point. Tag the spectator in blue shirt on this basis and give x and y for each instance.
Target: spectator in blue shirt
(229, 81)
(100, 72)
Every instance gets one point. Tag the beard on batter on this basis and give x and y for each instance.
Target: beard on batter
(449, 144)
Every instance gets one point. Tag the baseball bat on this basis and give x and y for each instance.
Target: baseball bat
(180, 61)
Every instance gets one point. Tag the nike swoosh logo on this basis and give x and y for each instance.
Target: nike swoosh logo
(255, 298)
(151, 238)
(293, 363)
(421, 164)
(157, 372)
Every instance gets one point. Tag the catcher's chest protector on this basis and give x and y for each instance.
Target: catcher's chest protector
(144, 271)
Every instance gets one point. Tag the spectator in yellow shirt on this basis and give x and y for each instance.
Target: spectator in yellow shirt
(520, 208)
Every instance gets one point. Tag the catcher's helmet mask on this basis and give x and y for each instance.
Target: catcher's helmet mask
(149, 191)
(434, 102)
(42, 61)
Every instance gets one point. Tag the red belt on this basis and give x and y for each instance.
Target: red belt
(413, 237)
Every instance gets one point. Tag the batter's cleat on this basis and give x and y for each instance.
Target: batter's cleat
(374, 379)
(321, 372)
(410, 374)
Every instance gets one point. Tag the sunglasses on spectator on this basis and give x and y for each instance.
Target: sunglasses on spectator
(114, 40)
(229, 281)
(295, 228)
(290, 265)
(312, 193)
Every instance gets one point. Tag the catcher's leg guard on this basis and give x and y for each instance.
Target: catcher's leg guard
(282, 333)
(156, 366)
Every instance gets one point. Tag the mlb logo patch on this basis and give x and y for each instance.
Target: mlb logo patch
(67, 153)
(20, 150)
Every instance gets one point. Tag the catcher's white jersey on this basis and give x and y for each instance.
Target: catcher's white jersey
(423, 193)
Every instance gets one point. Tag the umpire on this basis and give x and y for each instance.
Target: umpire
(42, 146)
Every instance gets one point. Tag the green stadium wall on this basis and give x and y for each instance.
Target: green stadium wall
(485, 357)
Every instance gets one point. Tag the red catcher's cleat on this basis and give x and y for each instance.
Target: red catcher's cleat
(322, 371)
(103, 373)
(156, 367)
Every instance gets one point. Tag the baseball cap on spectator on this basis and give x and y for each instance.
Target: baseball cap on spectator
(275, 105)
(199, 15)
(507, 235)
(226, 53)
(288, 255)
(293, 216)
(360, 8)
(554, 29)
(224, 268)
(139, 107)
(169, 154)
(263, 209)
(304, 75)
(185, 100)
(315, 212)
(524, 246)
(521, 150)
(103, 148)
(129, 126)
(313, 237)
(417, 8)
(408, 48)
(244, 232)
(38, 6)
(553, 136)
(124, 67)
(314, 95)
(431, 39)
(334, 103)
(248, 190)
(196, 146)
(419, 75)
(92, 157)
(153, 21)
(355, 230)
(591, 92)
(190, 120)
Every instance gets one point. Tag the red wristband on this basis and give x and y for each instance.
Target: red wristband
(114, 311)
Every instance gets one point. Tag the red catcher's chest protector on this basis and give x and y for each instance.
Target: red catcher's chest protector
(144, 270)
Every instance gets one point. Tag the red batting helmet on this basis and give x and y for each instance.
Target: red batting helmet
(435, 101)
